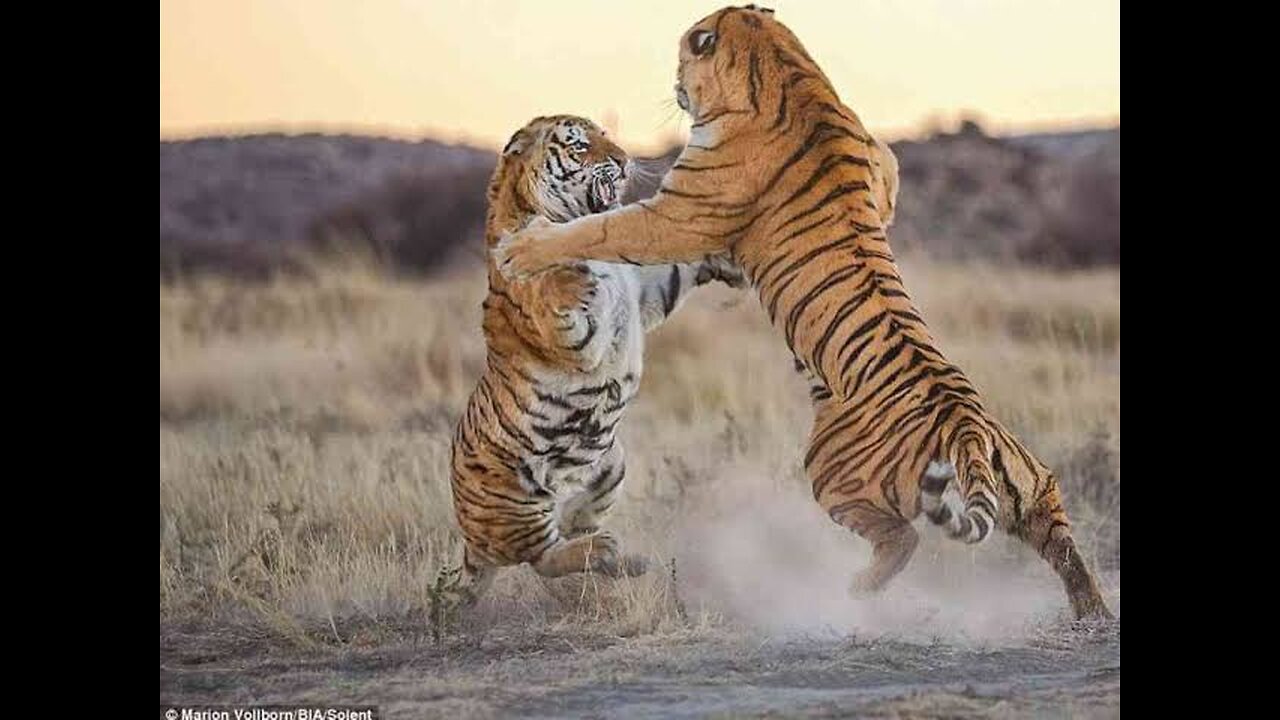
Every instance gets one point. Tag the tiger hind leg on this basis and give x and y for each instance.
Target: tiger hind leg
(893, 541)
(478, 575)
(597, 552)
(1047, 529)
(585, 513)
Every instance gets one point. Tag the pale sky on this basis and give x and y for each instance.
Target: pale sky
(477, 70)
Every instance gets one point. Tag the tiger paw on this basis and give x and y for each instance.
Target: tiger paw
(866, 584)
(609, 560)
(620, 565)
(452, 591)
(517, 255)
(722, 269)
(572, 290)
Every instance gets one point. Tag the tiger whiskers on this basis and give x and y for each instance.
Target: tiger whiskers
(674, 112)
(649, 169)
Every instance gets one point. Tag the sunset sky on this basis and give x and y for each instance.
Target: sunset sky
(475, 71)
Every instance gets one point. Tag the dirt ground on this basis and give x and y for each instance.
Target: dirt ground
(1059, 670)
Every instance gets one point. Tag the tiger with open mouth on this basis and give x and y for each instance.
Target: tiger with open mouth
(536, 462)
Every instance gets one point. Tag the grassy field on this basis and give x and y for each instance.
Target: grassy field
(304, 503)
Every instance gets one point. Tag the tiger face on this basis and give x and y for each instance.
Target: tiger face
(720, 60)
(567, 166)
(731, 64)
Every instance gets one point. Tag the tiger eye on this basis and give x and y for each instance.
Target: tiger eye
(702, 42)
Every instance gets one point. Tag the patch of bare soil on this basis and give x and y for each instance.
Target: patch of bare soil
(1066, 670)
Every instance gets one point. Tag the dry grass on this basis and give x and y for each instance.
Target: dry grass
(305, 429)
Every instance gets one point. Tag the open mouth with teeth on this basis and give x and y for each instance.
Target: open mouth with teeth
(602, 194)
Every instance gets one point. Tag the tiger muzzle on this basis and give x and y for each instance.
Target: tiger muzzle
(602, 193)
(682, 98)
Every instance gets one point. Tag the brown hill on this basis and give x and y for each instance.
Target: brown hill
(251, 206)
(1045, 199)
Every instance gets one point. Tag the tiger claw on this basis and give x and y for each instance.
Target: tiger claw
(502, 259)
(509, 263)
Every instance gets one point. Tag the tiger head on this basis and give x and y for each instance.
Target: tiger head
(560, 167)
(739, 60)
(723, 58)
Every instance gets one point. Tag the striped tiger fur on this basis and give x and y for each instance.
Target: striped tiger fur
(536, 464)
(780, 173)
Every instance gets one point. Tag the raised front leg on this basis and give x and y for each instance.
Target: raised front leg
(662, 230)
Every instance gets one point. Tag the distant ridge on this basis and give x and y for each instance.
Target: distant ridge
(1074, 144)
(253, 205)
(246, 205)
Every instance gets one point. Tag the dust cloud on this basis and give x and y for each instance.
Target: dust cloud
(768, 556)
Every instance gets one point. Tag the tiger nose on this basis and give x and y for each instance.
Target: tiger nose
(621, 164)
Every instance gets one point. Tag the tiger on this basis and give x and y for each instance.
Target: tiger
(780, 174)
(536, 464)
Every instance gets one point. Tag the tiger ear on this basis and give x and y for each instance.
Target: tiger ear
(885, 174)
(518, 143)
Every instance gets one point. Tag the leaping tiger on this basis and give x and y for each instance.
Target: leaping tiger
(782, 175)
